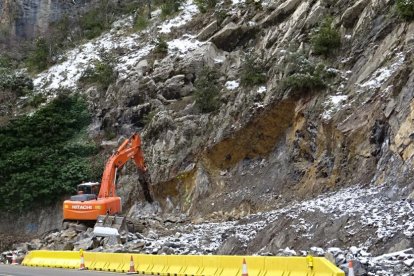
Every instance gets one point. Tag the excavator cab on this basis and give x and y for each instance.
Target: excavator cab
(87, 191)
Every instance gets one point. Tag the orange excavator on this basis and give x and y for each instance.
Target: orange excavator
(98, 202)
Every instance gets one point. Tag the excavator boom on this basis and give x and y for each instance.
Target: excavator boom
(118, 160)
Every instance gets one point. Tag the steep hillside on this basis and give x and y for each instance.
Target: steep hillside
(266, 125)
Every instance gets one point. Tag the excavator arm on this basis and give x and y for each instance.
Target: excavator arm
(129, 149)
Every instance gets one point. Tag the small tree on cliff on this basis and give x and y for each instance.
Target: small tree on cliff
(207, 90)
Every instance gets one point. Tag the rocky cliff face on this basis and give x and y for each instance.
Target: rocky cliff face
(27, 19)
(267, 145)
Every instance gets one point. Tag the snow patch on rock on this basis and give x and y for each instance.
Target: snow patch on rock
(381, 75)
(232, 85)
(188, 10)
(333, 105)
(181, 46)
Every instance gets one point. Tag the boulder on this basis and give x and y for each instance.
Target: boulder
(143, 67)
(281, 13)
(208, 31)
(84, 244)
(172, 87)
(232, 246)
(233, 35)
(351, 15)
(315, 15)
(111, 241)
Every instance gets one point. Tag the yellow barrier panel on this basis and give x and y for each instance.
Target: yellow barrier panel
(192, 265)
(175, 264)
(230, 265)
(160, 264)
(100, 262)
(326, 268)
(274, 266)
(255, 265)
(116, 262)
(186, 265)
(143, 263)
(299, 267)
(210, 266)
(58, 259)
(89, 258)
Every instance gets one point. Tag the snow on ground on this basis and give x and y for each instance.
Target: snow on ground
(332, 105)
(183, 45)
(188, 10)
(68, 73)
(364, 208)
(373, 210)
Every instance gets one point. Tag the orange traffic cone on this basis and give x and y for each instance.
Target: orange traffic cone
(244, 268)
(14, 259)
(131, 267)
(350, 269)
(82, 262)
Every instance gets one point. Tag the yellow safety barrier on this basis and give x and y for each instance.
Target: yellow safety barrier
(210, 266)
(193, 265)
(159, 265)
(255, 265)
(143, 263)
(230, 265)
(58, 259)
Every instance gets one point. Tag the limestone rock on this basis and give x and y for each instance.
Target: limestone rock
(172, 87)
(232, 246)
(280, 13)
(350, 16)
(143, 67)
(233, 35)
(208, 31)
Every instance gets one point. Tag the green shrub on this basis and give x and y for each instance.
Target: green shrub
(101, 73)
(148, 117)
(205, 5)
(36, 100)
(170, 7)
(19, 84)
(42, 157)
(253, 72)
(141, 22)
(220, 16)
(5, 62)
(301, 82)
(93, 23)
(303, 76)
(257, 4)
(161, 48)
(325, 39)
(207, 90)
(39, 58)
(405, 9)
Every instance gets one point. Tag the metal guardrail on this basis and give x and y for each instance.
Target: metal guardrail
(196, 265)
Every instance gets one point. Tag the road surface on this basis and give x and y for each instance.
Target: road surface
(17, 270)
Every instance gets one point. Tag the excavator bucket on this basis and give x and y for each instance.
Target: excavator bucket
(107, 226)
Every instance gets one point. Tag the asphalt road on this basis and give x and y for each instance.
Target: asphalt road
(17, 270)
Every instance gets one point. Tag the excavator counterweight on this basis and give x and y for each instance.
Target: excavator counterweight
(98, 201)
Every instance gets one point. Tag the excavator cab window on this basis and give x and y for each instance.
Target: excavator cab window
(87, 191)
(89, 188)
